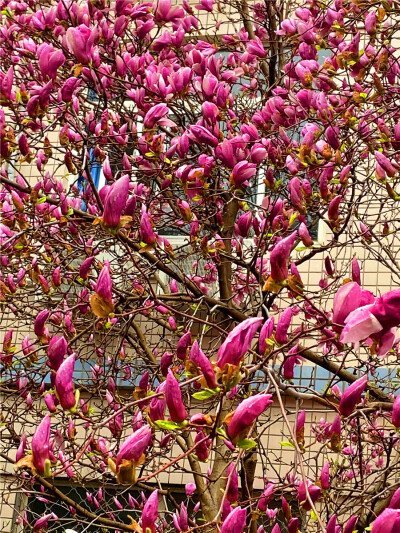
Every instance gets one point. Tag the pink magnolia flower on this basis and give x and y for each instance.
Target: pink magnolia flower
(381, 318)
(242, 172)
(352, 396)
(396, 412)
(43, 522)
(154, 115)
(387, 522)
(173, 397)
(325, 477)
(150, 513)
(183, 345)
(40, 321)
(147, 233)
(85, 267)
(370, 23)
(238, 342)
(281, 334)
(104, 283)
(56, 351)
(202, 447)
(279, 258)
(205, 5)
(355, 271)
(347, 299)
(40, 446)
(305, 235)
(68, 89)
(265, 333)
(232, 494)
(384, 162)
(313, 490)
(299, 430)
(80, 42)
(203, 363)
(116, 201)
(235, 522)
(49, 60)
(135, 445)
(64, 383)
(247, 413)
(395, 501)
(331, 526)
(190, 488)
(351, 524)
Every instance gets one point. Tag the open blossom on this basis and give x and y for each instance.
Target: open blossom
(238, 342)
(242, 172)
(80, 42)
(247, 413)
(377, 320)
(347, 298)
(154, 115)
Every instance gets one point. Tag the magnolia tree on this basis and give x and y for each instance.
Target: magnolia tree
(154, 324)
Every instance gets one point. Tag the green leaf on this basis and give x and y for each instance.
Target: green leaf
(167, 424)
(313, 515)
(246, 444)
(287, 444)
(41, 200)
(204, 394)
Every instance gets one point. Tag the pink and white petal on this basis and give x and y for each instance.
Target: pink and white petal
(386, 342)
(360, 324)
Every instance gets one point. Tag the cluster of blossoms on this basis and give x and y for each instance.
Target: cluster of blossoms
(243, 154)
